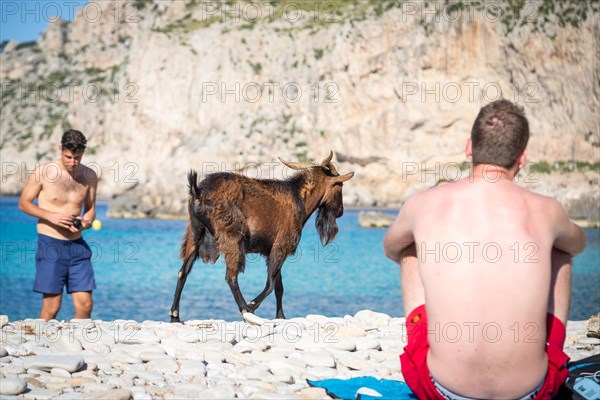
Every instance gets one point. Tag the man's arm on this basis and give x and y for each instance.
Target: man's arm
(569, 237)
(89, 206)
(31, 191)
(400, 235)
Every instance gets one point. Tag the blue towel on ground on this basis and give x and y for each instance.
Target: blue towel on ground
(365, 388)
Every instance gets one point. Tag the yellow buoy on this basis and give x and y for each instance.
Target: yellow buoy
(96, 225)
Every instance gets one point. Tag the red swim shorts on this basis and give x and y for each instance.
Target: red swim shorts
(414, 358)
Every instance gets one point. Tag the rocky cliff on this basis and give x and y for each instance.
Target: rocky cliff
(160, 87)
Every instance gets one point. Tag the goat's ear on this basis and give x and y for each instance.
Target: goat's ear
(342, 178)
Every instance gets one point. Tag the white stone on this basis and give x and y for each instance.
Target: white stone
(344, 344)
(351, 330)
(257, 372)
(366, 343)
(40, 394)
(146, 356)
(192, 368)
(284, 378)
(70, 363)
(372, 320)
(222, 391)
(589, 340)
(162, 365)
(3, 352)
(123, 356)
(12, 385)
(253, 319)
(3, 321)
(214, 357)
(67, 344)
(137, 337)
(13, 369)
(352, 361)
(316, 373)
(315, 358)
(188, 390)
(60, 372)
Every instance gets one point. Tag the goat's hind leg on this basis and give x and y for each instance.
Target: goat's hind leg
(235, 262)
(188, 263)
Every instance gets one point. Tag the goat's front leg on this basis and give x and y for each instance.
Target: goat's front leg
(279, 296)
(181, 278)
(274, 262)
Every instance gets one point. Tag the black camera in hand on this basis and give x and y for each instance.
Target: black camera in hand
(76, 222)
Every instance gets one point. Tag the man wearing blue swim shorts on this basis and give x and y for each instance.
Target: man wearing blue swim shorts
(63, 189)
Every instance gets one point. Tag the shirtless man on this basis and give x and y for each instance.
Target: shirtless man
(489, 260)
(63, 187)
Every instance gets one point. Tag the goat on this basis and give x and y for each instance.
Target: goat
(234, 215)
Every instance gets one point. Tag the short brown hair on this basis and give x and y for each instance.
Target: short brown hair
(73, 140)
(500, 134)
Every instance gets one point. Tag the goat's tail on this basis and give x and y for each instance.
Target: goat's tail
(193, 184)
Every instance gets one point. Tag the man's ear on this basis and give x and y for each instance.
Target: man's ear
(522, 159)
(469, 149)
(60, 148)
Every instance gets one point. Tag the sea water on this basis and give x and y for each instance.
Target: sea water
(136, 264)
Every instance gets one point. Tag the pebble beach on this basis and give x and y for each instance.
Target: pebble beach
(207, 359)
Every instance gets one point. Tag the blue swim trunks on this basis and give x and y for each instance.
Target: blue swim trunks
(63, 262)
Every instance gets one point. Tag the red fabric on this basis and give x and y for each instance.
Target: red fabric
(416, 372)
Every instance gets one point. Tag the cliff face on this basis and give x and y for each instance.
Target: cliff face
(161, 87)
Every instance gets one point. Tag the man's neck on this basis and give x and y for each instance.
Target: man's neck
(493, 172)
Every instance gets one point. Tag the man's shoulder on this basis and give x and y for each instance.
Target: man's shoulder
(87, 174)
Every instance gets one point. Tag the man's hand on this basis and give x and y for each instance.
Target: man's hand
(83, 225)
(60, 219)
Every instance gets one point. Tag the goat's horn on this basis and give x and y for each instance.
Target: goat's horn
(333, 169)
(326, 161)
(298, 165)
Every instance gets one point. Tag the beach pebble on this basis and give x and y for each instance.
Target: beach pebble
(365, 343)
(67, 344)
(115, 394)
(146, 356)
(372, 320)
(257, 372)
(589, 340)
(221, 391)
(12, 386)
(344, 344)
(11, 368)
(352, 330)
(3, 352)
(315, 358)
(60, 372)
(253, 319)
(70, 363)
(162, 366)
(40, 394)
(3, 321)
(352, 361)
(192, 368)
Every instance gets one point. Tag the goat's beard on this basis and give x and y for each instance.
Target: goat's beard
(326, 224)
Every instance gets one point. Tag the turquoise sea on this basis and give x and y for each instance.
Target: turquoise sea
(136, 264)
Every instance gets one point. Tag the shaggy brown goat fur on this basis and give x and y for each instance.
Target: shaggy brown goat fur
(234, 215)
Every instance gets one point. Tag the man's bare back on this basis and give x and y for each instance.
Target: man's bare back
(501, 253)
(484, 257)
